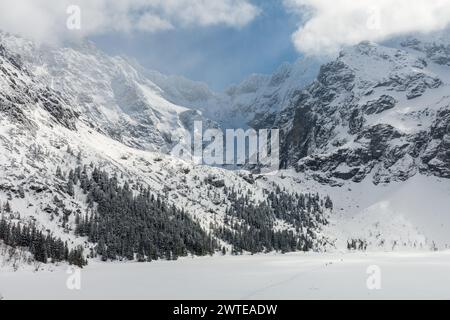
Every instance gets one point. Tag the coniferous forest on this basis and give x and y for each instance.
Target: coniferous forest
(44, 248)
(131, 224)
(251, 227)
(127, 221)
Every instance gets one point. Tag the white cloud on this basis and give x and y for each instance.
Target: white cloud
(151, 23)
(235, 13)
(330, 24)
(46, 19)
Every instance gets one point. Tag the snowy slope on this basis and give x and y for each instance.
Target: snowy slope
(399, 216)
(110, 94)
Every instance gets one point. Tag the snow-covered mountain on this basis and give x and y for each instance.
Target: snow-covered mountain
(376, 110)
(375, 125)
(263, 96)
(80, 130)
(110, 94)
(367, 129)
(245, 104)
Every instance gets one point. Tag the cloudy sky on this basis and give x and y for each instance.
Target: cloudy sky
(220, 54)
(222, 41)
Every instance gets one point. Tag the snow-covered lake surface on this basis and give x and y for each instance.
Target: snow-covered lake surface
(293, 276)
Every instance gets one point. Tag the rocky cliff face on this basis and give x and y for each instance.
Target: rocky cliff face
(375, 110)
(20, 90)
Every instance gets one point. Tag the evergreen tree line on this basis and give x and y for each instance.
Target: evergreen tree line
(132, 223)
(357, 244)
(44, 248)
(251, 227)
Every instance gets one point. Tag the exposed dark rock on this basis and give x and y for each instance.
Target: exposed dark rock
(384, 103)
(311, 140)
(215, 182)
(356, 121)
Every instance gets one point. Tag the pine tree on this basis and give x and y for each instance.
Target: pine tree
(21, 192)
(70, 188)
(7, 207)
(59, 173)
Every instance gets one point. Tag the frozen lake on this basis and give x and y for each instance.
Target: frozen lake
(292, 276)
